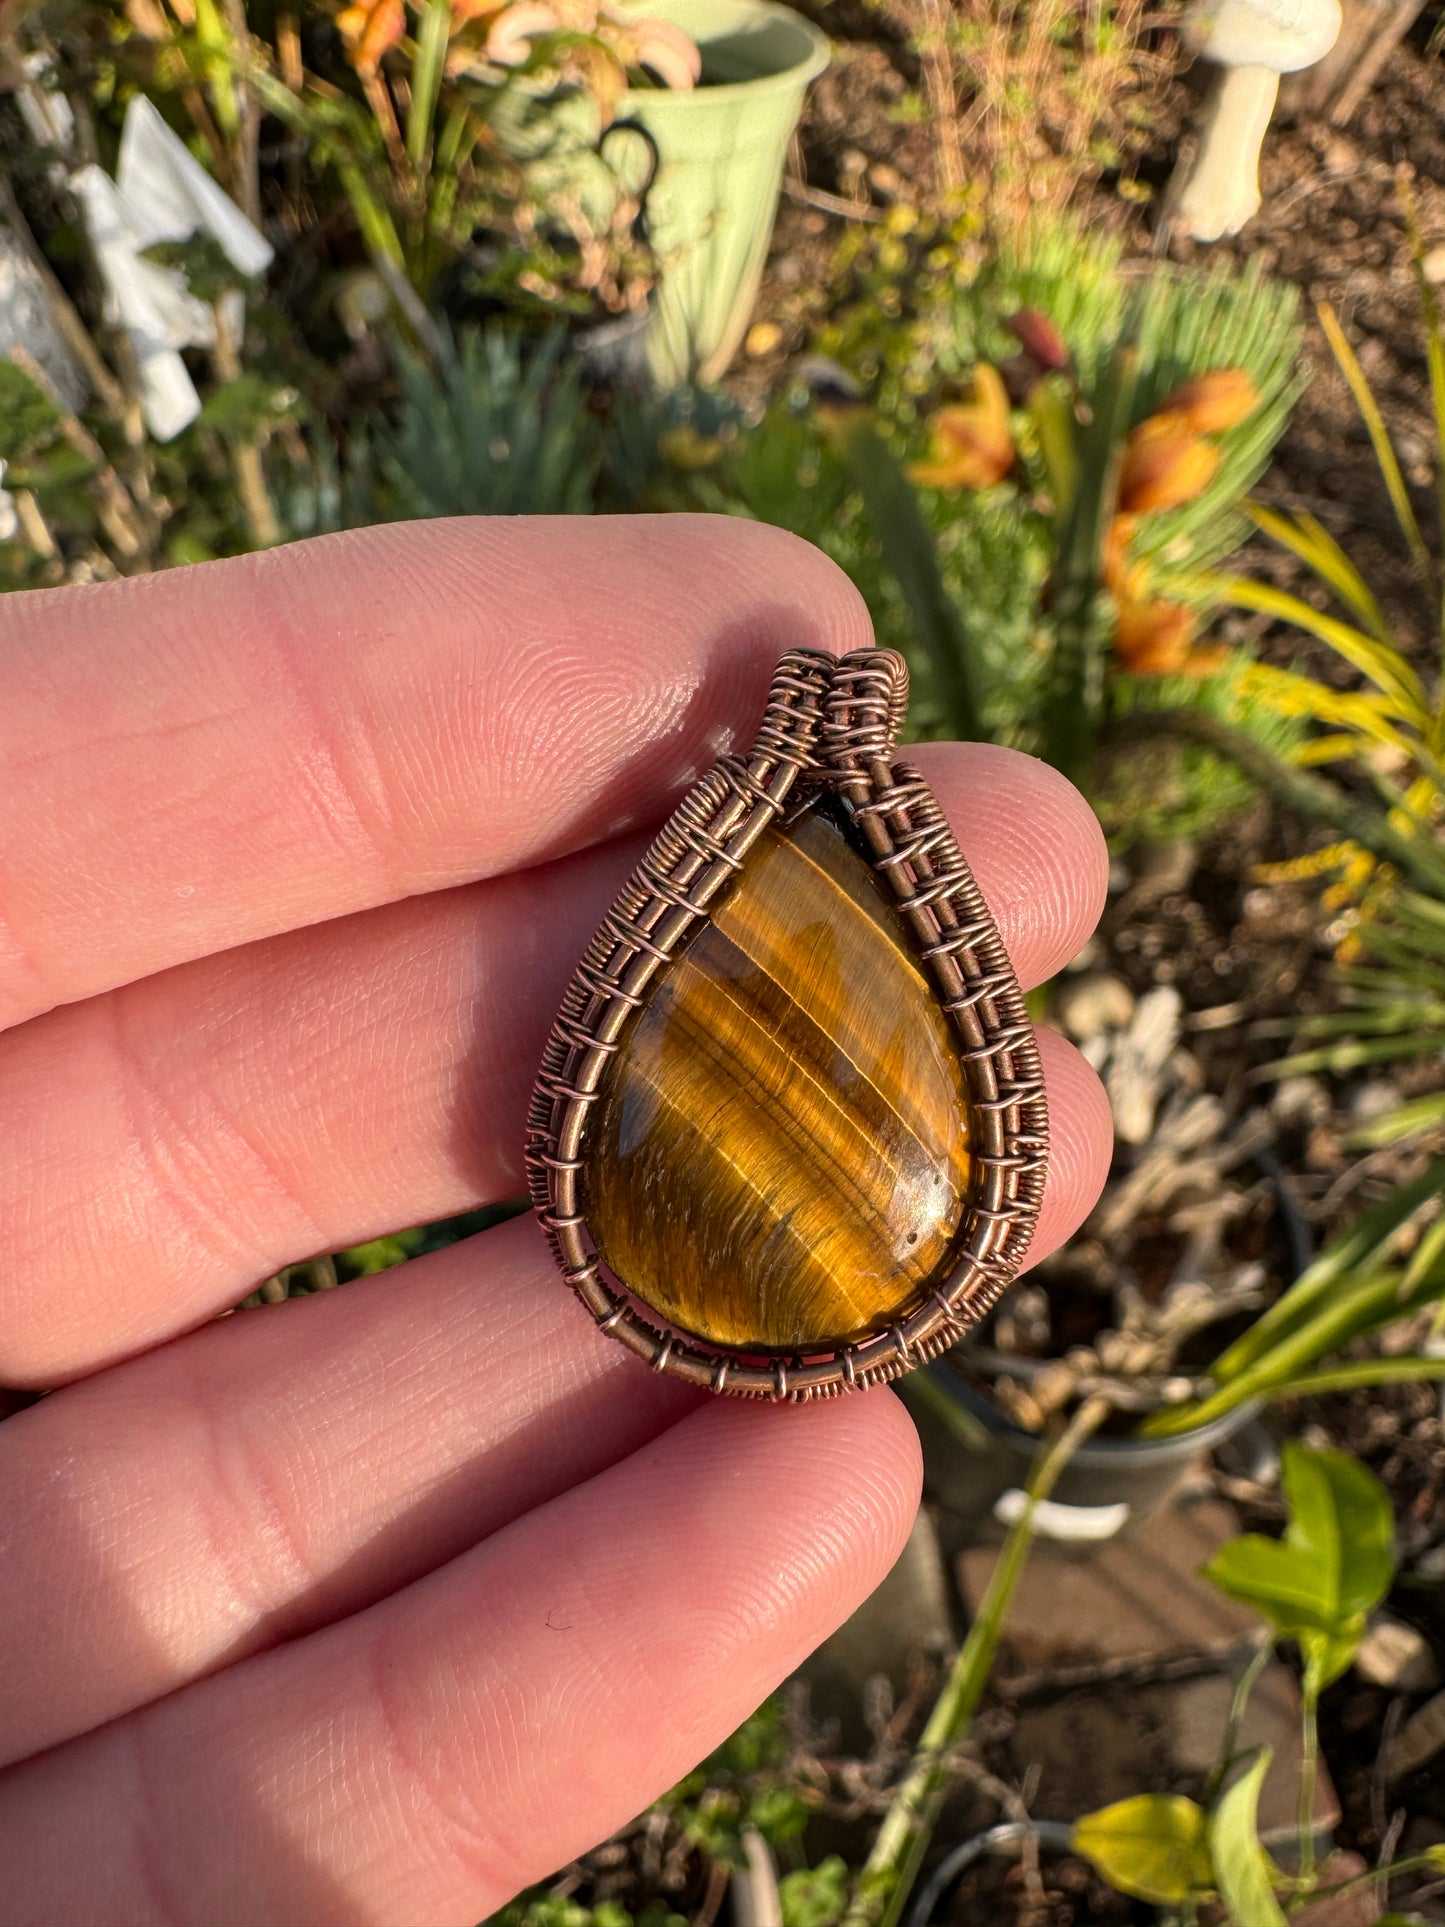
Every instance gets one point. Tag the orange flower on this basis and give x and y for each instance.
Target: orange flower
(1214, 402)
(1165, 464)
(972, 445)
(1153, 638)
(370, 29)
(1125, 577)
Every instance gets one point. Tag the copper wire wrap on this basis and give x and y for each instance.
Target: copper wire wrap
(830, 724)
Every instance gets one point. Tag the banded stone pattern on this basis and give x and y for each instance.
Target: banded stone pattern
(781, 1157)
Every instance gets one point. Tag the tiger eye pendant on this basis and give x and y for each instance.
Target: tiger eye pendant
(789, 1131)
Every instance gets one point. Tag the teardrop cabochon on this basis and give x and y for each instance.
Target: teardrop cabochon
(789, 1132)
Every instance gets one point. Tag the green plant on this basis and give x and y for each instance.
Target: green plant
(414, 112)
(1052, 570)
(1385, 735)
(880, 1893)
(747, 1784)
(493, 431)
(1315, 1587)
(1386, 1273)
(1391, 1009)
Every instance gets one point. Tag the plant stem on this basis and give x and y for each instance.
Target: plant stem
(1392, 1870)
(1239, 1700)
(1308, 1771)
(261, 523)
(119, 515)
(246, 166)
(882, 1889)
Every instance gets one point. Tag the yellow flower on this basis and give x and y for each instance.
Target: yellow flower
(1165, 464)
(972, 445)
(1214, 402)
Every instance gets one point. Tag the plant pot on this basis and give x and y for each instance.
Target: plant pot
(705, 167)
(720, 152)
(977, 1464)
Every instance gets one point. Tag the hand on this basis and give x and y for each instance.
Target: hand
(381, 1604)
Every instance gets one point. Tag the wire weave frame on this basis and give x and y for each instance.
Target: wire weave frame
(830, 725)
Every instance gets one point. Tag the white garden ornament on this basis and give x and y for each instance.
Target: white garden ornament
(1253, 42)
(161, 194)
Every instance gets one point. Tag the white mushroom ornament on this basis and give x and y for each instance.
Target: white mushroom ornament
(1253, 42)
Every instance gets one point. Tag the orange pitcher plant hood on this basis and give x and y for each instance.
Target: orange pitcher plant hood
(972, 443)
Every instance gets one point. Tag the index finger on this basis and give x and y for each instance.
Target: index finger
(200, 758)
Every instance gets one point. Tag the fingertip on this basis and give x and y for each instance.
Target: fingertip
(1081, 1143)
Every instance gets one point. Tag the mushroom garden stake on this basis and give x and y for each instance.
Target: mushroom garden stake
(1252, 42)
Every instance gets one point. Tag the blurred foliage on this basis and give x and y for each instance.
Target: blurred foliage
(997, 594)
(426, 137)
(751, 1781)
(544, 1909)
(1315, 1586)
(492, 433)
(1382, 1279)
(1385, 731)
(1034, 98)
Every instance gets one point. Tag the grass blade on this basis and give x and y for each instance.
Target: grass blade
(1379, 435)
(426, 79)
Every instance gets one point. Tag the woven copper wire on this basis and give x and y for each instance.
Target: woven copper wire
(831, 725)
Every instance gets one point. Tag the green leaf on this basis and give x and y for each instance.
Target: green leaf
(1334, 1564)
(1074, 706)
(1270, 1576)
(1385, 665)
(246, 407)
(1341, 1519)
(205, 265)
(28, 416)
(426, 77)
(1303, 536)
(1379, 435)
(1401, 1368)
(1409, 1119)
(815, 1896)
(911, 552)
(1242, 1868)
(1363, 1246)
(1154, 1846)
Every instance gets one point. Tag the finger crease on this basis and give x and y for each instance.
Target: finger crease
(462, 1834)
(186, 1168)
(252, 1542)
(153, 1854)
(335, 794)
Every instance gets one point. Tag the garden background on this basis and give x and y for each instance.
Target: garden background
(1164, 511)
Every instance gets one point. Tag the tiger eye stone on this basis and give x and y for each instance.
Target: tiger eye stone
(780, 1159)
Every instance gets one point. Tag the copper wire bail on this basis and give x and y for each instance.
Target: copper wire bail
(830, 724)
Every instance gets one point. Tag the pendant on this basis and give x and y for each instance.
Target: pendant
(789, 1132)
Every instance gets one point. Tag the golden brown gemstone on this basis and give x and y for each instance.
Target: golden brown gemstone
(781, 1157)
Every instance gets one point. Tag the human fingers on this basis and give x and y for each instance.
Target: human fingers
(425, 1760)
(166, 1145)
(200, 758)
(282, 1469)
